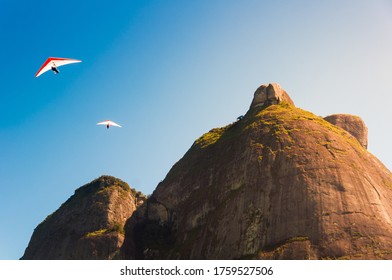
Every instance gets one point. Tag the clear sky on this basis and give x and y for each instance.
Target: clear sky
(167, 71)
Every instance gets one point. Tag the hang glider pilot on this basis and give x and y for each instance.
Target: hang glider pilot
(55, 69)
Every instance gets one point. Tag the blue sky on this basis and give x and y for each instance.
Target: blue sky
(167, 71)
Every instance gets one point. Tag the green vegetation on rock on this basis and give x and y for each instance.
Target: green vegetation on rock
(115, 228)
(210, 137)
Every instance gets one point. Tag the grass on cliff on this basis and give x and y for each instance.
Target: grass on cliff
(102, 183)
(281, 121)
(278, 250)
(210, 137)
(115, 228)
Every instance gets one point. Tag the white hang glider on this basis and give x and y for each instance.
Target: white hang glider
(108, 123)
(53, 62)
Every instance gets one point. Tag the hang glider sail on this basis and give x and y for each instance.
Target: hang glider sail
(52, 63)
(108, 124)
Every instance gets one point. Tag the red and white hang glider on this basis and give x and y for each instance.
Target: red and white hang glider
(108, 124)
(53, 62)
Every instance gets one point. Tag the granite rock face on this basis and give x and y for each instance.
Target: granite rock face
(353, 124)
(89, 225)
(281, 183)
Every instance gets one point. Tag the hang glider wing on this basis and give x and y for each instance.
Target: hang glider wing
(53, 62)
(109, 123)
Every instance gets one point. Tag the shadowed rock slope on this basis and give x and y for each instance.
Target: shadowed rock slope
(89, 225)
(281, 183)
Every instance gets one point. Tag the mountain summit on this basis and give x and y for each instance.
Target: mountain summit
(89, 225)
(280, 183)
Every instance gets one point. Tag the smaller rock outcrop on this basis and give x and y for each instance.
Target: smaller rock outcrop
(270, 94)
(352, 124)
(89, 225)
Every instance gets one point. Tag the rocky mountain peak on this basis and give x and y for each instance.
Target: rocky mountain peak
(270, 94)
(89, 225)
(280, 183)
